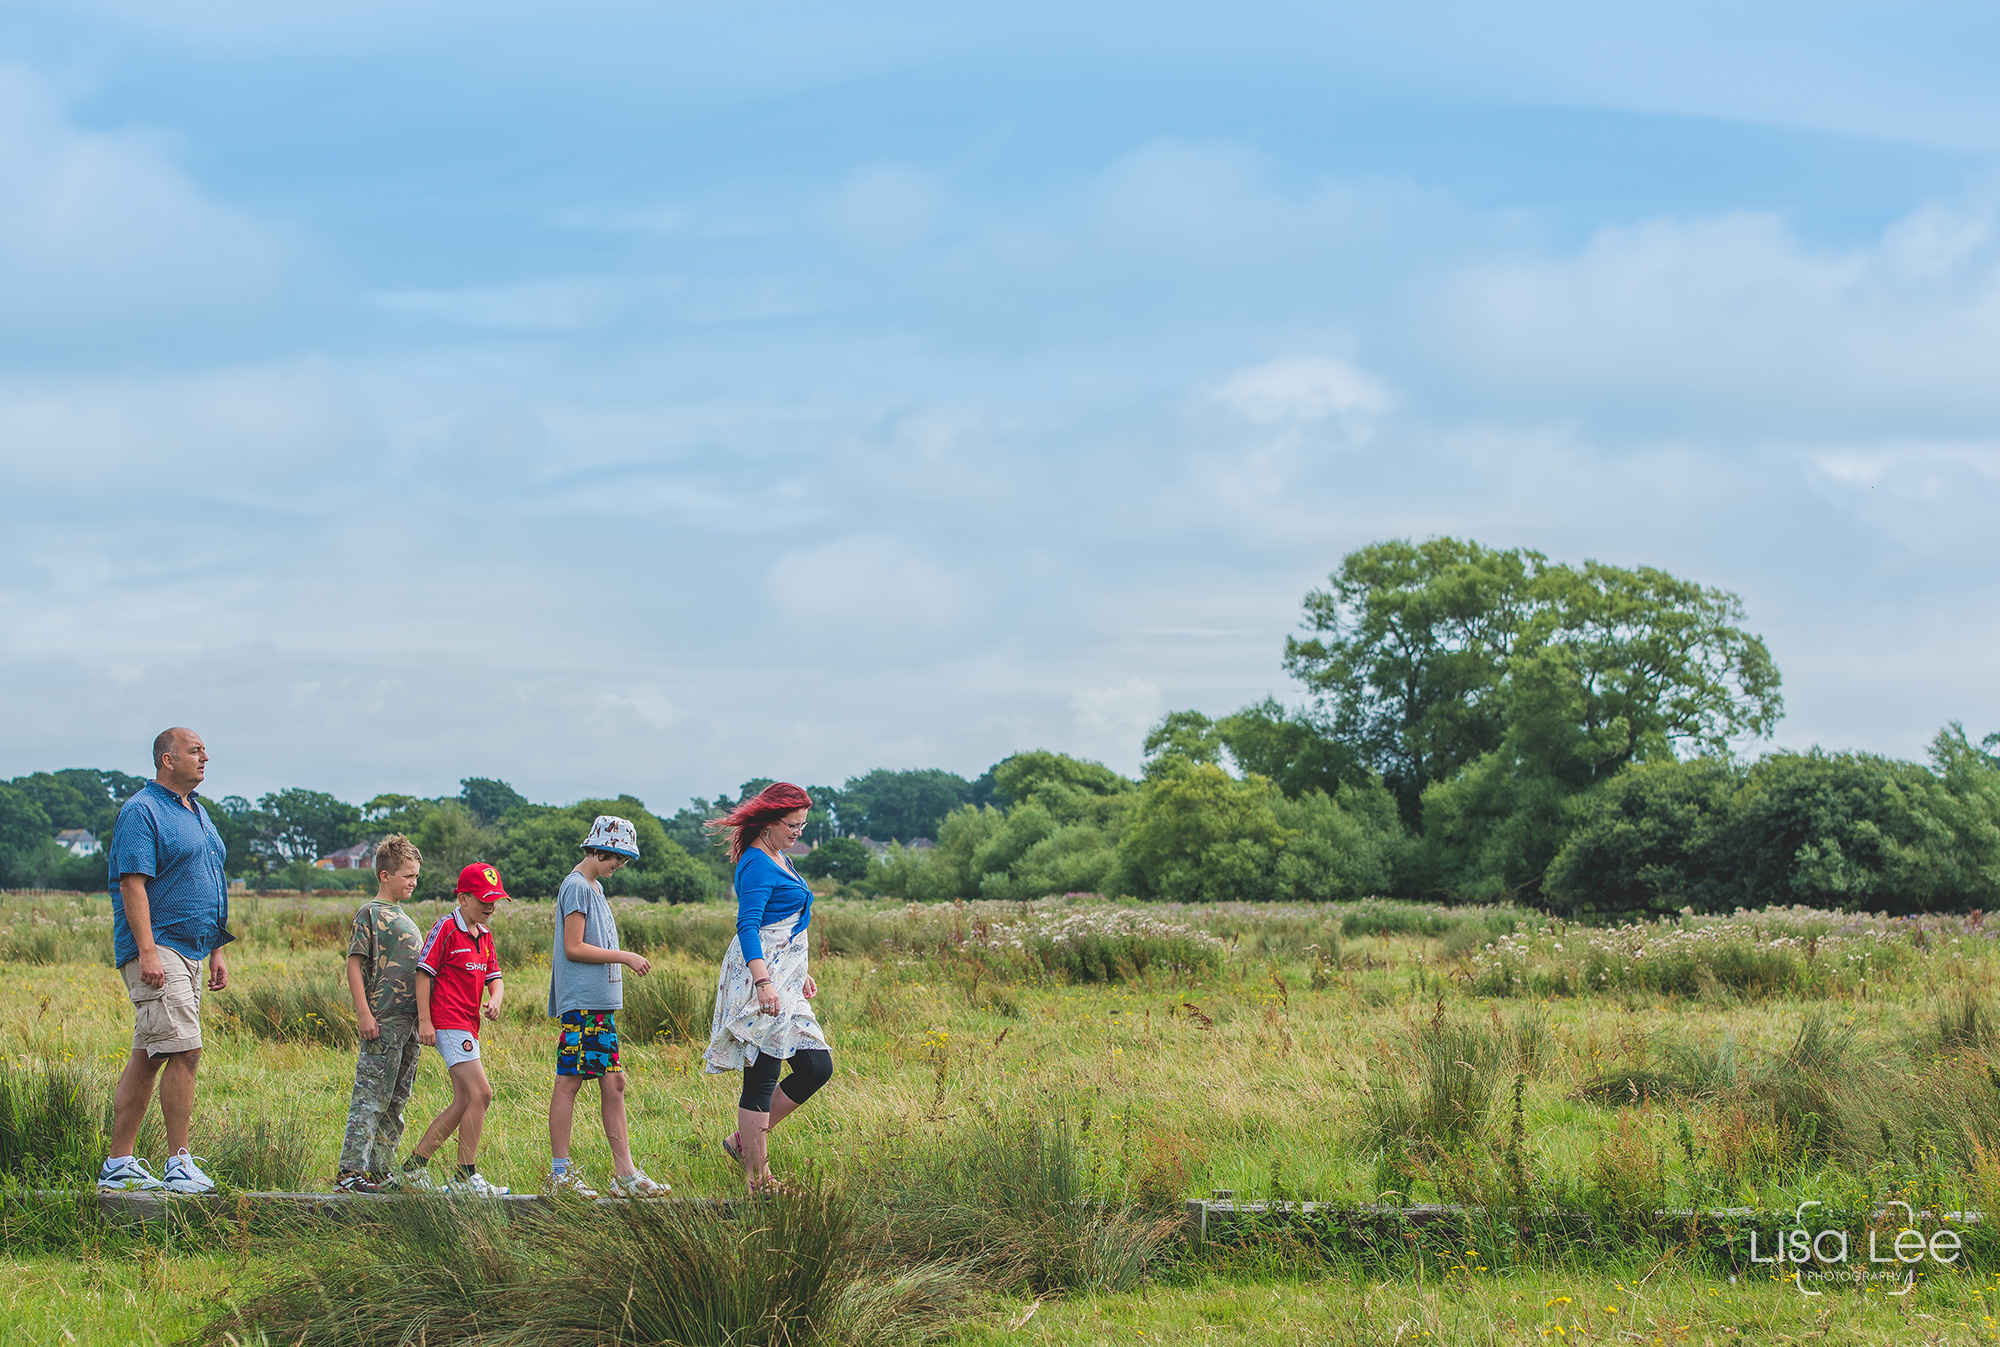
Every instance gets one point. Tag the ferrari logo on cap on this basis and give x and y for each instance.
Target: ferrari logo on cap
(492, 876)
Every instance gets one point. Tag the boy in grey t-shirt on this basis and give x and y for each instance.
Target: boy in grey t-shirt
(586, 993)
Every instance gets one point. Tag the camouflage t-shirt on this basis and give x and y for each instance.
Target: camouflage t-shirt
(389, 944)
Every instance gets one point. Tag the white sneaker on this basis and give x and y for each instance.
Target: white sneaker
(475, 1183)
(636, 1184)
(128, 1173)
(416, 1180)
(569, 1183)
(185, 1176)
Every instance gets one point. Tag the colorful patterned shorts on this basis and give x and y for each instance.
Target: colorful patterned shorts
(588, 1044)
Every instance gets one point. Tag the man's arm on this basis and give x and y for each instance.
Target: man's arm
(139, 917)
(427, 1033)
(364, 1019)
(578, 952)
(218, 970)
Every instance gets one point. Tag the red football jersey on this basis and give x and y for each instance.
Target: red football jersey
(461, 960)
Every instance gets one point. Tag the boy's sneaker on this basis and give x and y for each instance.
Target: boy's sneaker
(355, 1182)
(569, 1183)
(128, 1173)
(388, 1182)
(416, 1180)
(184, 1175)
(636, 1184)
(475, 1184)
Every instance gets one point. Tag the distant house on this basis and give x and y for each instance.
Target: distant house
(798, 849)
(880, 849)
(77, 841)
(357, 857)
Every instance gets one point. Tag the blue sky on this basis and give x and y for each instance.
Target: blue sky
(645, 397)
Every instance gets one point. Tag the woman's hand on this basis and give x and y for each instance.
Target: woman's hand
(767, 999)
(811, 989)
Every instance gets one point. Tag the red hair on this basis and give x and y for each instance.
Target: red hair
(746, 822)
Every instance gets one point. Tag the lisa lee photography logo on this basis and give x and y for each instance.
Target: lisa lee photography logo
(1831, 1255)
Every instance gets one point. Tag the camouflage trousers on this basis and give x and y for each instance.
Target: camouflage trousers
(382, 1081)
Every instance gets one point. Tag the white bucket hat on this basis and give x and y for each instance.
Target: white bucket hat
(610, 833)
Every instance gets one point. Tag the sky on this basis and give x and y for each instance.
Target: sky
(646, 397)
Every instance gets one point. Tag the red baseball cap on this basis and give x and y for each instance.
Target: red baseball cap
(482, 881)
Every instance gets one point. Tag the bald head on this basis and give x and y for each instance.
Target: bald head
(180, 759)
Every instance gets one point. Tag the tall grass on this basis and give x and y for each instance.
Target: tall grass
(297, 1010)
(1441, 1102)
(53, 1121)
(1016, 1201)
(258, 1153)
(43, 933)
(664, 1007)
(793, 1270)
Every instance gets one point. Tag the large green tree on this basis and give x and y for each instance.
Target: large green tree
(307, 824)
(1407, 654)
(1616, 666)
(900, 806)
(1427, 657)
(80, 797)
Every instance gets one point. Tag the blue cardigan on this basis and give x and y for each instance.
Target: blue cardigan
(767, 893)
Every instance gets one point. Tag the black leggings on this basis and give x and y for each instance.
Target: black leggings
(811, 1068)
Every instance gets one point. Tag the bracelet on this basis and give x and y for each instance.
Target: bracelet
(761, 982)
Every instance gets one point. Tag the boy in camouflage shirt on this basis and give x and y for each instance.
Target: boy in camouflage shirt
(382, 959)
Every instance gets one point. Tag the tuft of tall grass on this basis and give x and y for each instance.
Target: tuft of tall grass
(1960, 1024)
(664, 1007)
(259, 1154)
(795, 1270)
(1457, 1068)
(53, 1121)
(1016, 1203)
(316, 1010)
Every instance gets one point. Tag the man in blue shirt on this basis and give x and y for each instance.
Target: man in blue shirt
(169, 911)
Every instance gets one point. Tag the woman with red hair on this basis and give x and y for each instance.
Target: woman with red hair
(763, 1011)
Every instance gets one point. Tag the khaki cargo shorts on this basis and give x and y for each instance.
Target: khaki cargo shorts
(169, 1016)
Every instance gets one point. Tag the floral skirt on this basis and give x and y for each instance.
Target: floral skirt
(740, 1034)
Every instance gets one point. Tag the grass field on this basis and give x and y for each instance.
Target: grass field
(1348, 1053)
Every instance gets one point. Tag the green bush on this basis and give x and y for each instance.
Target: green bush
(1845, 830)
(840, 858)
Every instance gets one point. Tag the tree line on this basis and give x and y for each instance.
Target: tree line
(275, 840)
(1476, 724)
(1482, 724)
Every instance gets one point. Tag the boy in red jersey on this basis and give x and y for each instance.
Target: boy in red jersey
(456, 970)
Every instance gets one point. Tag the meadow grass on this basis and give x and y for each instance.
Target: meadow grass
(1345, 1053)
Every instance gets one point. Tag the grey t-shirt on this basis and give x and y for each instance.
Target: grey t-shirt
(585, 986)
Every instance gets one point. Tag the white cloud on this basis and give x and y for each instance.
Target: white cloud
(1734, 316)
(1934, 499)
(556, 304)
(646, 704)
(886, 209)
(1304, 388)
(866, 584)
(101, 231)
(1111, 722)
